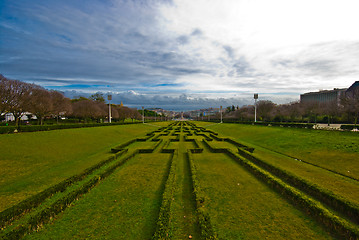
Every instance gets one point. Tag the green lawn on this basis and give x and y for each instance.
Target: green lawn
(338, 151)
(124, 206)
(243, 207)
(31, 162)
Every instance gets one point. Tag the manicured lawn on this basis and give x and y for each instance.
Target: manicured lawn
(338, 151)
(124, 206)
(242, 207)
(31, 162)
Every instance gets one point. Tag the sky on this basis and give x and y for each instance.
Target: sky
(181, 54)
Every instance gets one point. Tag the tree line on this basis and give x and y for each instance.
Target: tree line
(20, 98)
(346, 111)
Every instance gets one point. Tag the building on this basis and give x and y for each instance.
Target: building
(323, 96)
(353, 89)
(326, 96)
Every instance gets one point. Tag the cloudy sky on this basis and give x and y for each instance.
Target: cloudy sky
(182, 54)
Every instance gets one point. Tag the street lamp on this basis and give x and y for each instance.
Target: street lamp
(143, 115)
(255, 106)
(109, 97)
(221, 114)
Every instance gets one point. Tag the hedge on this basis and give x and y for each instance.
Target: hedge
(163, 229)
(36, 128)
(310, 206)
(204, 220)
(338, 203)
(9, 214)
(349, 127)
(36, 221)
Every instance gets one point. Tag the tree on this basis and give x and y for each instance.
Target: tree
(15, 97)
(98, 97)
(264, 109)
(60, 104)
(3, 94)
(88, 109)
(40, 104)
(350, 103)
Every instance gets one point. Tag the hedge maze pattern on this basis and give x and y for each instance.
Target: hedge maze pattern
(183, 140)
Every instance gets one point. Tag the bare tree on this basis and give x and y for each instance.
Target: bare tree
(60, 104)
(16, 97)
(350, 102)
(88, 109)
(265, 108)
(40, 104)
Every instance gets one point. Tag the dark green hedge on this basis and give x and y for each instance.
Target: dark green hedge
(204, 220)
(349, 127)
(340, 204)
(310, 206)
(36, 128)
(163, 229)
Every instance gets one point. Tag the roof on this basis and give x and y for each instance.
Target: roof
(353, 86)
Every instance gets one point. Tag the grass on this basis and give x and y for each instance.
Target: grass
(337, 151)
(242, 207)
(31, 162)
(124, 206)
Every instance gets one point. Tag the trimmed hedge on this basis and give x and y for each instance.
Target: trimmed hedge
(163, 229)
(39, 219)
(204, 220)
(10, 214)
(36, 128)
(310, 206)
(349, 127)
(338, 203)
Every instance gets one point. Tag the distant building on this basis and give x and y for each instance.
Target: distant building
(352, 89)
(326, 96)
(323, 96)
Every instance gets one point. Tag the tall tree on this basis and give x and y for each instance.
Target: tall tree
(40, 104)
(60, 104)
(16, 98)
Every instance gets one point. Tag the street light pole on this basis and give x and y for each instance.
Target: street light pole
(143, 115)
(221, 114)
(109, 97)
(255, 106)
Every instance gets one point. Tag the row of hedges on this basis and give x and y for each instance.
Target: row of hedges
(204, 220)
(338, 203)
(310, 206)
(38, 220)
(349, 127)
(36, 128)
(278, 124)
(8, 215)
(163, 229)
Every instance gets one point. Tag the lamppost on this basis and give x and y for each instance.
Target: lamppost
(109, 97)
(143, 115)
(255, 106)
(221, 114)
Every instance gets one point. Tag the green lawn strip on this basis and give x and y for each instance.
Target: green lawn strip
(339, 193)
(242, 207)
(185, 222)
(31, 162)
(60, 201)
(124, 206)
(27, 205)
(163, 225)
(335, 223)
(334, 150)
(204, 218)
(348, 207)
